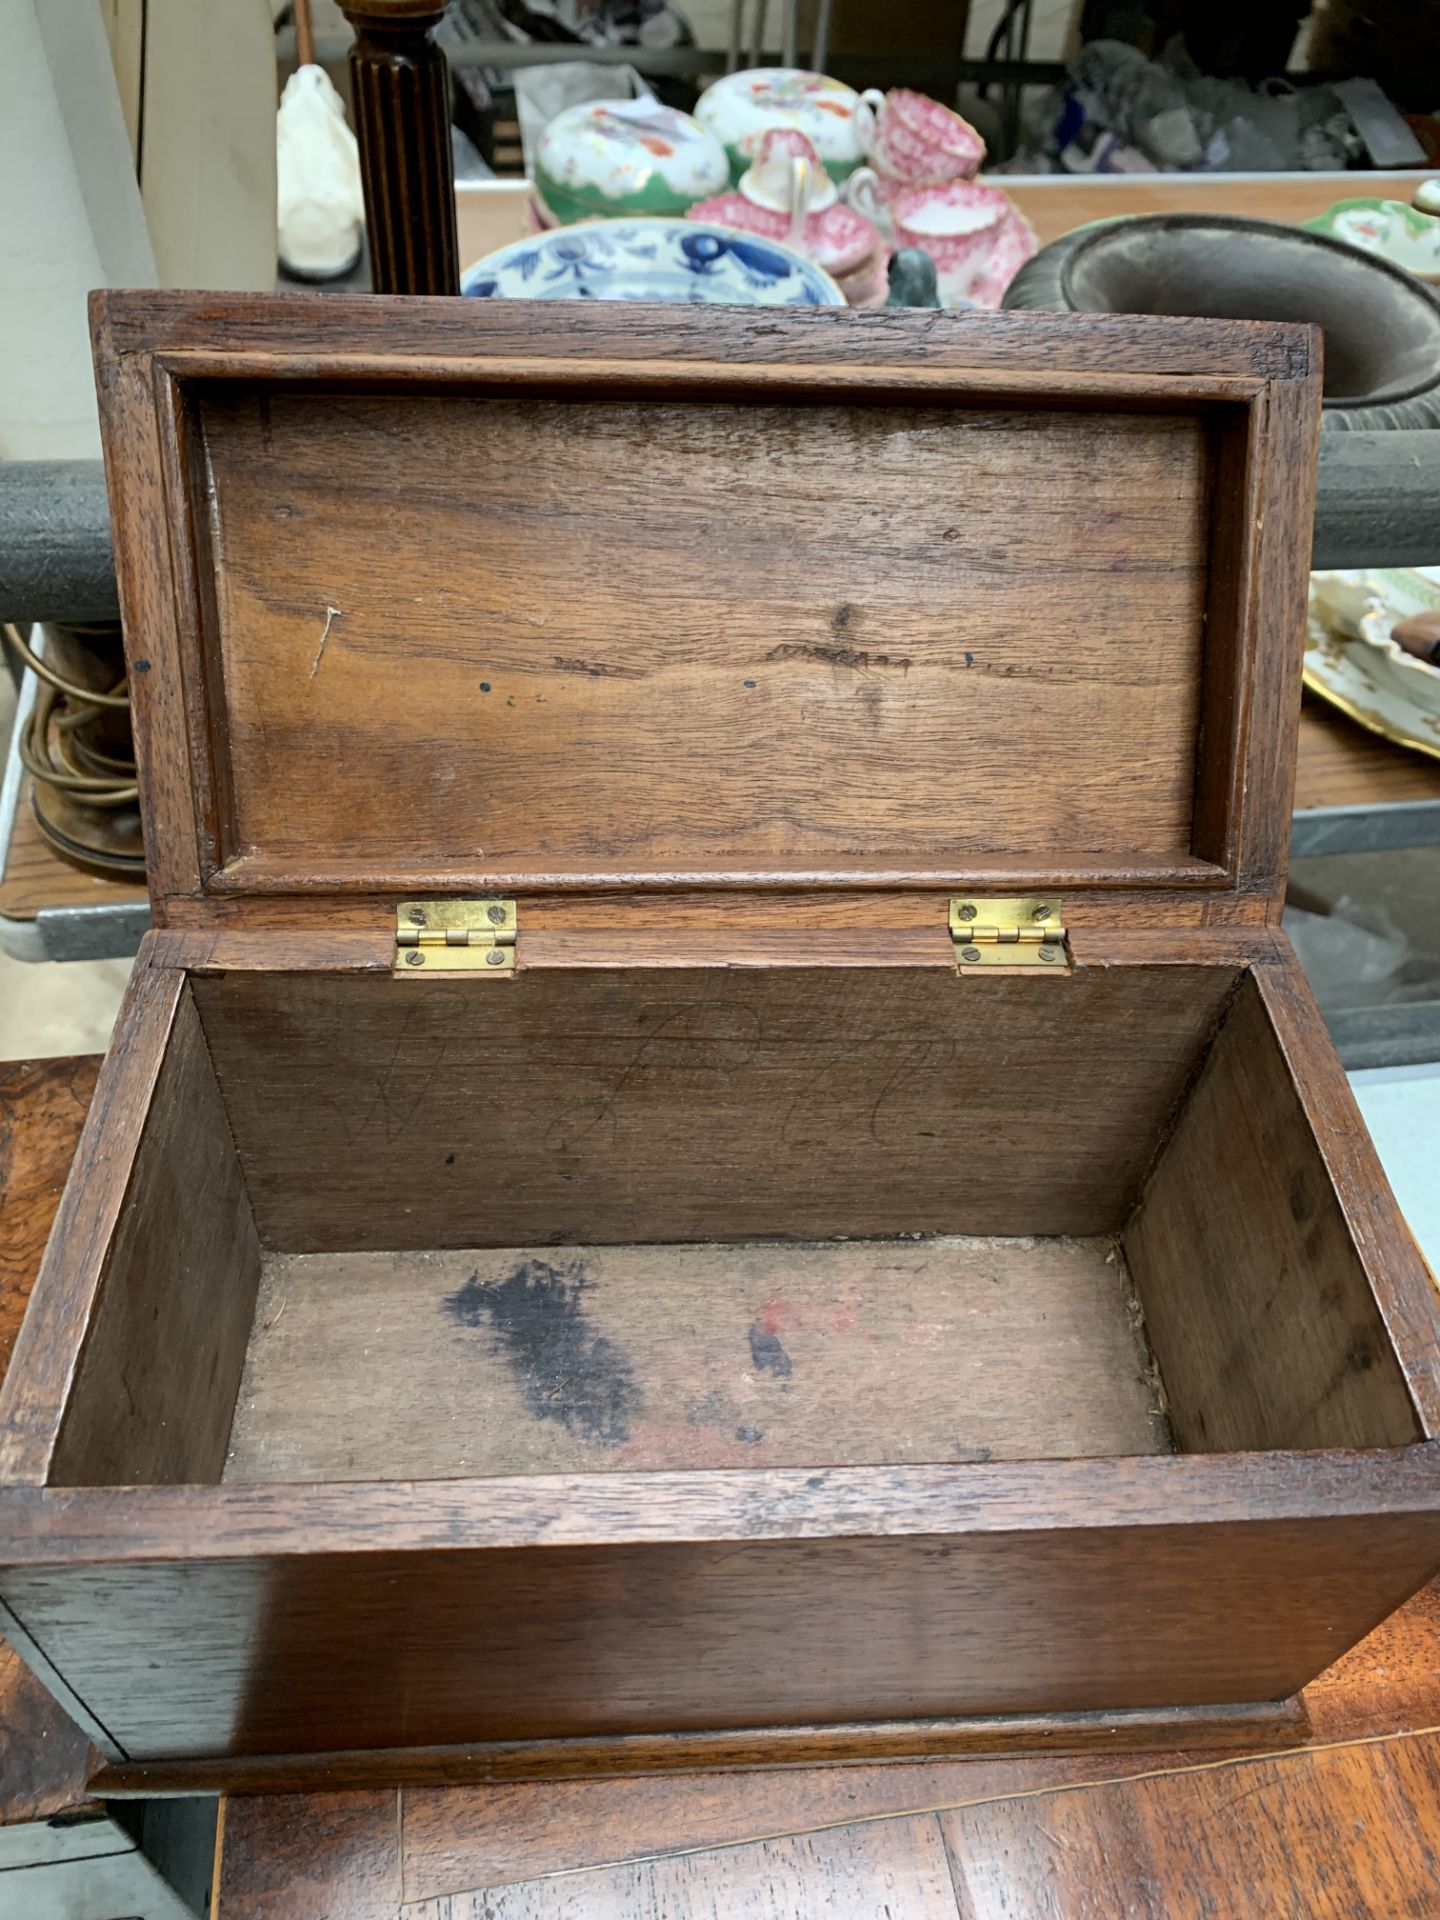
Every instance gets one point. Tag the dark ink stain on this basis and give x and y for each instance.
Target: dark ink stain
(484, 686)
(838, 656)
(969, 659)
(597, 669)
(1301, 1203)
(843, 617)
(767, 1355)
(816, 1480)
(964, 1452)
(749, 1434)
(566, 1371)
(1362, 1357)
(449, 1159)
(141, 666)
(871, 696)
(750, 683)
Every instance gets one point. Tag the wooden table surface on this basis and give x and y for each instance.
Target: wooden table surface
(1341, 764)
(1343, 1827)
(33, 876)
(44, 1758)
(1335, 754)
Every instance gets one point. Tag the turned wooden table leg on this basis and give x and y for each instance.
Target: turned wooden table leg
(402, 122)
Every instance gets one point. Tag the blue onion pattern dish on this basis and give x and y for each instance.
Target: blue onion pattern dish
(685, 261)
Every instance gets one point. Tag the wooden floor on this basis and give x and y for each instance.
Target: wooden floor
(436, 1365)
(1344, 1828)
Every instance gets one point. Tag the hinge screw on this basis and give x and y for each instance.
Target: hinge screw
(495, 957)
(967, 912)
(417, 916)
(495, 915)
(970, 955)
(415, 958)
(1048, 953)
(1042, 913)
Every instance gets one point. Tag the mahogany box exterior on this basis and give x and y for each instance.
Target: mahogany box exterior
(867, 1250)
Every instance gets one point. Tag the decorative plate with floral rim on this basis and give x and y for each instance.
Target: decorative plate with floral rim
(1351, 661)
(686, 262)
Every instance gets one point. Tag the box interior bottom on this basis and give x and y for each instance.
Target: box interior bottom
(514, 1360)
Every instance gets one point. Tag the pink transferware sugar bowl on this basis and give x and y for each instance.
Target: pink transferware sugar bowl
(786, 194)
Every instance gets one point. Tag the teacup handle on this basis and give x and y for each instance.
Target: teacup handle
(862, 192)
(799, 200)
(867, 116)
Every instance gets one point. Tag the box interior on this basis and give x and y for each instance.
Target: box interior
(603, 1220)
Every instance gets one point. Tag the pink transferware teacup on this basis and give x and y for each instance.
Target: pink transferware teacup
(1011, 244)
(917, 139)
(949, 219)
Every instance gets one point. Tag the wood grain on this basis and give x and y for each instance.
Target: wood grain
(898, 1869)
(226, 444)
(690, 713)
(155, 1387)
(34, 877)
(1261, 1311)
(1343, 765)
(399, 87)
(989, 1606)
(699, 1104)
(1294, 1835)
(44, 1756)
(43, 1104)
(1403, 1286)
(423, 1366)
(1261, 1726)
(339, 1859)
(1056, 206)
(466, 1838)
(52, 1335)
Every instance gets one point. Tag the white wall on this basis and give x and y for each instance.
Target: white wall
(70, 220)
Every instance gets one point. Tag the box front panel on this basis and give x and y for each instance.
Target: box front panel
(319, 1653)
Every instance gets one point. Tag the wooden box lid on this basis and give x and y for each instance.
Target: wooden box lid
(448, 596)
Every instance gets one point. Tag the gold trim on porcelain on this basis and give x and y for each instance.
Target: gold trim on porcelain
(1368, 718)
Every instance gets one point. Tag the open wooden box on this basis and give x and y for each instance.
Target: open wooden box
(747, 1309)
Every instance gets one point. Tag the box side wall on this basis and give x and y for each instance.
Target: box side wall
(315, 1653)
(60, 1315)
(1267, 1245)
(699, 1103)
(155, 1387)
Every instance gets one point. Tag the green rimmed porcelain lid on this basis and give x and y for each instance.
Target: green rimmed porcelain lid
(627, 157)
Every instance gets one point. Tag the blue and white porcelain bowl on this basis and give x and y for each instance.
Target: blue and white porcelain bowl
(673, 261)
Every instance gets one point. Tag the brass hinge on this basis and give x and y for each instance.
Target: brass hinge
(1008, 933)
(455, 936)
